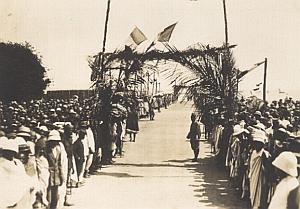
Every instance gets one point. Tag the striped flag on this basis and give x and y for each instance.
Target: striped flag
(243, 73)
(165, 35)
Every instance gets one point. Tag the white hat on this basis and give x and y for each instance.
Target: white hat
(11, 145)
(259, 135)
(20, 141)
(259, 140)
(260, 126)
(3, 140)
(44, 128)
(24, 131)
(257, 113)
(54, 136)
(237, 129)
(287, 162)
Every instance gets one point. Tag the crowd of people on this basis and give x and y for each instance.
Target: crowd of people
(50, 146)
(259, 146)
(148, 105)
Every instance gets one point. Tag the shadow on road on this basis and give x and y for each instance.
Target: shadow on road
(149, 165)
(118, 175)
(211, 184)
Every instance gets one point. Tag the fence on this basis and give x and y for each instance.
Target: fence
(67, 94)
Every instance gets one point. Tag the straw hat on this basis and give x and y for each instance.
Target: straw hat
(287, 162)
(24, 131)
(237, 130)
(54, 136)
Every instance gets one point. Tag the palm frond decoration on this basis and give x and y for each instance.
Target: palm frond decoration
(210, 81)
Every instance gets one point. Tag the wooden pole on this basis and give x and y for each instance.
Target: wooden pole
(148, 75)
(265, 81)
(225, 20)
(159, 87)
(105, 33)
(153, 84)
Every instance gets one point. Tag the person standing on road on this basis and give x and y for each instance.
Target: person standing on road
(132, 123)
(58, 168)
(194, 136)
(151, 109)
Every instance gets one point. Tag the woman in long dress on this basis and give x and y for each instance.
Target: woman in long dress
(132, 125)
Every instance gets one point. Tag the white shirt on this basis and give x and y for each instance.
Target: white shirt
(90, 139)
(285, 186)
(14, 181)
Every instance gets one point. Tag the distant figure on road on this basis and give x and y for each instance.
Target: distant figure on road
(151, 109)
(132, 125)
(194, 136)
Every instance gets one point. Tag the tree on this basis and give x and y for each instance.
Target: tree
(22, 75)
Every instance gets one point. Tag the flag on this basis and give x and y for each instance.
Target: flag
(259, 84)
(243, 73)
(136, 37)
(281, 92)
(165, 35)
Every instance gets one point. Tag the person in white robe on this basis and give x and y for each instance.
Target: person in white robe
(286, 164)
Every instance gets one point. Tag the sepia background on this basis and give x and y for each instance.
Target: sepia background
(65, 33)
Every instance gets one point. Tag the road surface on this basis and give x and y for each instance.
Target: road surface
(156, 172)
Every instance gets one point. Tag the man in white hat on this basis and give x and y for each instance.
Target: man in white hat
(286, 164)
(16, 186)
(234, 158)
(58, 168)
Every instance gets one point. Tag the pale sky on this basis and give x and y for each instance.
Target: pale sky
(65, 33)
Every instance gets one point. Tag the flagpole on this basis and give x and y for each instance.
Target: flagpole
(265, 81)
(105, 34)
(225, 20)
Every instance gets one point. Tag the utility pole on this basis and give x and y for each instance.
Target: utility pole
(265, 81)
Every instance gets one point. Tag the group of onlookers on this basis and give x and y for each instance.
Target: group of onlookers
(260, 147)
(49, 147)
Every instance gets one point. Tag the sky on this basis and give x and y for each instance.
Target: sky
(65, 33)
